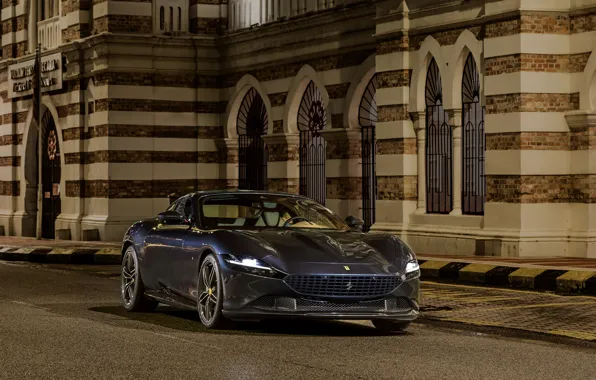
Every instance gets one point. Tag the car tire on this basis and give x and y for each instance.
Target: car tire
(391, 326)
(132, 290)
(210, 294)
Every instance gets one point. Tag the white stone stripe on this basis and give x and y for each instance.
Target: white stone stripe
(208, 11)
(283, 169)
(345, 207)
(14, 37)
(530, 43)
(336, 168)
(74, 18)
(393, 95)
(240, 62)
(526, 122)
(127, 8)
(156, 118)
(582, 42)
(527, 162)
(397, 164)
(394, 130)
(393, 61)
(142, 144)
(532, 82)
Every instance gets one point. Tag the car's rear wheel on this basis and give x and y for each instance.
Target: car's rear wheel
(391, 326)
(132, 290)
(210, 294)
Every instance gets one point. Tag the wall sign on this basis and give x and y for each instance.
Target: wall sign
(20, 76)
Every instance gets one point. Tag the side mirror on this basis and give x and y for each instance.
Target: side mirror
(354, 223)
(171, 217)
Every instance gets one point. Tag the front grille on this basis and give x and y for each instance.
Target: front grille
(343, 286)
(273, 303)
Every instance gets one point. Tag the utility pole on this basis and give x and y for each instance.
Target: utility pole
(37, 112)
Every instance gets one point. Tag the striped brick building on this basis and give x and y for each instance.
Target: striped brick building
(463, 126)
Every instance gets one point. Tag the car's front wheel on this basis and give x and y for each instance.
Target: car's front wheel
(132, 290)
(391, 326)
(210, 294)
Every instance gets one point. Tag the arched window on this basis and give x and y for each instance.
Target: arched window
(251, 126)
(367, 118)
(439, 171)
(162, 18)
(473, 141)
(179, 19)
(311, 121)
(171, 26)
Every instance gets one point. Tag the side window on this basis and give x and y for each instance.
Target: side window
(185, 208)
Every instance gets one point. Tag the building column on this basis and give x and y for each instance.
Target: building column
(228, 166)
(343, 171)
(282, 169)
(455, 120)
(419, 119)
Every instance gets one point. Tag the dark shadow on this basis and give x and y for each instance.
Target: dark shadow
(184, 320)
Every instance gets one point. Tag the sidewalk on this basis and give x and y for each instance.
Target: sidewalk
(59, 251)
(556, 274)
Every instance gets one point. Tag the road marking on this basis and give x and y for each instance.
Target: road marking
(174, 337)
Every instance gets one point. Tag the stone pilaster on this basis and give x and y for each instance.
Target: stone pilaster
(282, 169)
(455, 120)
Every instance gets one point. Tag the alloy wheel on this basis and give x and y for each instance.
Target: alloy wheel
(129, 277)
(208, 292)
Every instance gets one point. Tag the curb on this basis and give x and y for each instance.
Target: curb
(89, 256)
(528, 278)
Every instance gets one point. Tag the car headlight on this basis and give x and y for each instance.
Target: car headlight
(250, 265)
(412, 270)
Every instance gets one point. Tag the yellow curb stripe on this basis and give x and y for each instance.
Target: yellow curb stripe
(574, 334)
(61, 251)
(477, 268)
(436, 265)
(497, 290)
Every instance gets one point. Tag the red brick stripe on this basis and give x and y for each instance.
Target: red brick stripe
(153, 131)
(396, 146)
(285, 185)
(584, 21)
(11, 140)
(397, 188)
(527, 102)
(397, 78)
(544, 63)
(401, 43)
(13, 161)
(147, 105)
(161, 79)
(528, 141)
(529, 22)
(344, 188)
(139, 189)
(338, 91)
(343, 149)
(138, 156)
(282, 152)
(393, 113)
(10, 188)
(541, 188)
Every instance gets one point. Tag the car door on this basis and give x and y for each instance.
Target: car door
(163, 245)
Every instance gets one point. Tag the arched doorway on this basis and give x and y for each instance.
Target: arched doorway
(50, 176)
(439, 171)
(251, 125)
(367, 118)
(311, 121)
(473, 141)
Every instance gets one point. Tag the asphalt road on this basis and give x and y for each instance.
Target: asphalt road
(67, 323)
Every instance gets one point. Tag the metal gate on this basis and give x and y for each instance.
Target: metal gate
(311, 120)
(367, 116)
(50, 176)
(439, 171)
(253, 154)
(473, 142)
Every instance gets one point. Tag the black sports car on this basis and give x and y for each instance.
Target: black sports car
(252, 255)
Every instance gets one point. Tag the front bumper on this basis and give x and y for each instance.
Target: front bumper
(253, 297)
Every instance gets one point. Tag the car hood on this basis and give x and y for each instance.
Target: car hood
(299, 251)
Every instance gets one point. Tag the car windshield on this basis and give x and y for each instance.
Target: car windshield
(257, 211)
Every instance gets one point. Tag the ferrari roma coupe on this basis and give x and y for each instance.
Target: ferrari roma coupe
(254, 255)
